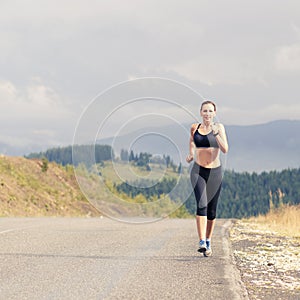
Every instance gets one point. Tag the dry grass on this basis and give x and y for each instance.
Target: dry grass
(26, 190)
(285, 220)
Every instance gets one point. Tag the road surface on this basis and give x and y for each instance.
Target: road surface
(98, 258)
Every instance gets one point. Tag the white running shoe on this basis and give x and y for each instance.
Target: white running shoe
(208, 251)
(202, 246)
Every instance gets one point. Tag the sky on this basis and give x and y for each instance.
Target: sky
(57, 57)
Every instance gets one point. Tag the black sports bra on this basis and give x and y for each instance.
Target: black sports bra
(205, 141)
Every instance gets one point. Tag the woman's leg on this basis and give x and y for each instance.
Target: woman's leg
(202, 224)
(210, 228)
(213, 190)
(199, 185)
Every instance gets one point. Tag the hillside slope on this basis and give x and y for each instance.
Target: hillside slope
(25, 190)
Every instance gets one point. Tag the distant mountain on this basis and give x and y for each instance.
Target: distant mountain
(11, 150)
(264, 147)
(269, 146)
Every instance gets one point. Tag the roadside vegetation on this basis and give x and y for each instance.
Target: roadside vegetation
(35, 187)
(285, 220)
(45, 184)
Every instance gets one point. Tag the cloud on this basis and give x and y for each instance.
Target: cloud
(263, 114)
(43, 97)
(36, 101)
(35, 114)
(287, 58)
(57, 55)
(213, 71)
(8, 92)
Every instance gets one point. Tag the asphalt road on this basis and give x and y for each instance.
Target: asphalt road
(94, 258)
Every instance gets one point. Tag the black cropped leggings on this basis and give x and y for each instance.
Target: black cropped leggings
(207, 184)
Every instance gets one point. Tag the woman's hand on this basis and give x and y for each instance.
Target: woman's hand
(215, 128)
(189, 158)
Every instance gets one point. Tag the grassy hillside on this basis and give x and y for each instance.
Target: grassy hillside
(31, 187)
(116, 203)
(120, 172)
(28, 189)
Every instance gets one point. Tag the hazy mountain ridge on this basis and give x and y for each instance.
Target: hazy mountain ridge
(269, 146)
(263, 147)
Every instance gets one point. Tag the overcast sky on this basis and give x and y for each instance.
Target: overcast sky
(56, 56)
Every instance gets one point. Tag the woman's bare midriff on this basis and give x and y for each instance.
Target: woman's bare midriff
(207, 157)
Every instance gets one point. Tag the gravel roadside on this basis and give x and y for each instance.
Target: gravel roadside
(269, 263)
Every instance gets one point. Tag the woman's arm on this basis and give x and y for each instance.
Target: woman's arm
(220, 134)
(190, 157)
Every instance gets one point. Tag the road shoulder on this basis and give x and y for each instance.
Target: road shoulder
(269, 263)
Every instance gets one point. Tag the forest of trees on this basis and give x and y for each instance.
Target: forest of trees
(143, 159)
(246, 194)
(243, 194)
(63, 155)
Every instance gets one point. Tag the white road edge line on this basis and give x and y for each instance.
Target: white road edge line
(15, 229)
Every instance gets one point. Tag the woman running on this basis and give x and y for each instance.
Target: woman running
(206, 141)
